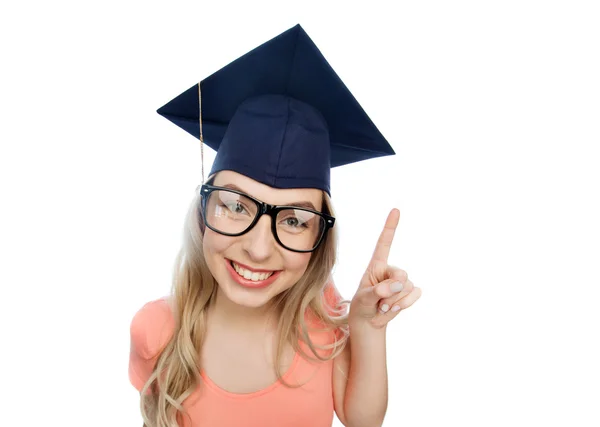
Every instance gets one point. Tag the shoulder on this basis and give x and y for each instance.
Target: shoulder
(327, 319)
(331, 295)
(328, 301)
(332, 299)
(151, 328)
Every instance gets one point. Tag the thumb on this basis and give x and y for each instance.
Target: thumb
(370, 296)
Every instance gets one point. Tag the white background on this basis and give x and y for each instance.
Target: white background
(492, 108)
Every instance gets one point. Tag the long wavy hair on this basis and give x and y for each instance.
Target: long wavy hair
(177, 371)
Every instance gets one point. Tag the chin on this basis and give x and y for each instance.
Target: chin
(250, 298)
(245, 300)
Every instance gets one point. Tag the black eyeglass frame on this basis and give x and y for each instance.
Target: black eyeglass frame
(263, 209)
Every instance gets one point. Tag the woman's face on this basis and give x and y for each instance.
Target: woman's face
(228, 257)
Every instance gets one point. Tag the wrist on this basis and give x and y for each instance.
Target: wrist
(365, 326)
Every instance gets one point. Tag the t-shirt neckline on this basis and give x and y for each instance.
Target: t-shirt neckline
(253, 394)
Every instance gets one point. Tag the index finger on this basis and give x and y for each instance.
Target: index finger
(382, 249)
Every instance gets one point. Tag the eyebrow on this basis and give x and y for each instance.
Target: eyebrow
(304, 204)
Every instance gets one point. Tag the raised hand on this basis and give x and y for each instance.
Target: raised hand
(384, 290)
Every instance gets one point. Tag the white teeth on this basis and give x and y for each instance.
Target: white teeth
(249, 275)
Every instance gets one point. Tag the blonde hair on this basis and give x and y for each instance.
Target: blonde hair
(176, 374)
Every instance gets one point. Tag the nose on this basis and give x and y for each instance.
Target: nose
(259, 243)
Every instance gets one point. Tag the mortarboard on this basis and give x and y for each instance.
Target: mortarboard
(279, 115)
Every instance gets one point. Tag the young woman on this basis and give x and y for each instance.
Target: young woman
(255, 333)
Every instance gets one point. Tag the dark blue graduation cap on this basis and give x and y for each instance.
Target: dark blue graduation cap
(279, 115)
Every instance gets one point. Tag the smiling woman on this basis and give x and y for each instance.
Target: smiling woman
(255, 333)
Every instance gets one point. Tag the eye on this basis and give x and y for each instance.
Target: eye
(294, 222)
(235, 207)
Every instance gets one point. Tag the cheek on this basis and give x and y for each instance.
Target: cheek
(296, 263)
(214, 243)
(214, 246)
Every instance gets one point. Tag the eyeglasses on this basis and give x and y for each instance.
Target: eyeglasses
(233, 213)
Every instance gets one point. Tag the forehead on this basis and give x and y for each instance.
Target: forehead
(273, 196)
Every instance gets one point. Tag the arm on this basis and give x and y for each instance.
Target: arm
(360, 385)
(364, 396)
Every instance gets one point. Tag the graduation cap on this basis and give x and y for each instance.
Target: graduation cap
(279, 115)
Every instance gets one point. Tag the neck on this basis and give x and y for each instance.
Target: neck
(227, 313)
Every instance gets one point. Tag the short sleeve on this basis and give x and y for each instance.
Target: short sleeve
(151, 329)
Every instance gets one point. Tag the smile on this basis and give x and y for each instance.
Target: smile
(251, 275)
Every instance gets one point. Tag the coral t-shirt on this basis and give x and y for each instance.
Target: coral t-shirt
(211, 406)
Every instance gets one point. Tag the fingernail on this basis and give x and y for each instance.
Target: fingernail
(396, 287)
(385, 308)
(395, 308)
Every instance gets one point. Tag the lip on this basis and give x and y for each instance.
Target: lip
(249, 283)
(254, 270)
